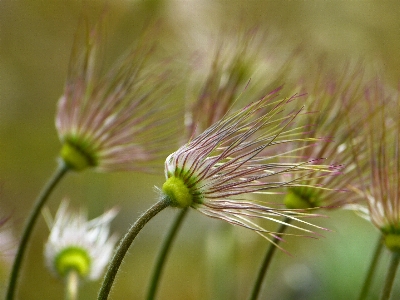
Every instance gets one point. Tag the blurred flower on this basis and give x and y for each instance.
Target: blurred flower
(235, 61)
(381, 177)
(211, 171)
(76, 244)
(336, 99)
(8, 243)
(224, 82)
(8, 246)
(116, 121)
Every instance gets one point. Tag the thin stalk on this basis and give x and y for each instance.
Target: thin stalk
(394, 263)
(267, 260)
(72, 283)
(125, 243)
(166, 246)
(40, 201)
(372, 269)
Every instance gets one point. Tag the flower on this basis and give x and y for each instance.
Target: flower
(8, 242)
(116, 121)
(78, 244)
(336, 98)
(227, 160)
(379, 167)
(237, 59)
(226, 78)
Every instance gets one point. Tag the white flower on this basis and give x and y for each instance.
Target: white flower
(78, 244)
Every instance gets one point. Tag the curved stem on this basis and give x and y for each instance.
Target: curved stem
(125, 244)
(166, 246)
(267, 260)
(72, 283)
(371, 270)
(40, 201)
(394, 263)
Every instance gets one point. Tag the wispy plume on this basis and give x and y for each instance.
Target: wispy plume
(213, 172)
(379, 167)
(239, 68)
(118, 120)
(336, 113)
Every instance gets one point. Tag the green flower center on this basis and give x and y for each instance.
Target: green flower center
(300, 198)
(77, 157)
(73, 258)
(178, 193)
(392, 242)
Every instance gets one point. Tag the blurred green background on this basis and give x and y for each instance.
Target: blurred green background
(210, 260)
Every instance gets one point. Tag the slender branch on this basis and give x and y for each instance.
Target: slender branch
(40, 201)
(72, 285)
(166, 246)
(394, 263)
(372, 269)
(267, 260)
(126, 242)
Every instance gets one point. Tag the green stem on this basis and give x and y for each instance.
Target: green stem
(40, 201)
(72, 285)
(372, 269)
(125, 244)
(164, 252)
(394, 263)
(267, 260)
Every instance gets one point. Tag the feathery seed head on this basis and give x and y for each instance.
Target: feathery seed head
(338, 114)
(379, 168)
(117, 120)
(236, 60)
(229, 159)
(223, 83)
